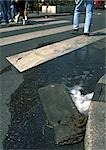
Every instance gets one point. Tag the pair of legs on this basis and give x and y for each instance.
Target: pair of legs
(21, 10)
(5, 4)
(89, 13)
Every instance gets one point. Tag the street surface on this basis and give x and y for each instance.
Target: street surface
(22, 116)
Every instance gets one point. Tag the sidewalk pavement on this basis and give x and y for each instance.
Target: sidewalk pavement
(95, 136)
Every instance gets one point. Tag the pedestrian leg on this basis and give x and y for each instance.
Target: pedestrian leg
(78, 7)
(25, 11)
(89, 14)
(8, 5)
(4, 9)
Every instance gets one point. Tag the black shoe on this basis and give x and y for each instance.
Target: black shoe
(86, 34)
(75, 31)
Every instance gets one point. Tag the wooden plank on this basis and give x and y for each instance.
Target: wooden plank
(27, 60)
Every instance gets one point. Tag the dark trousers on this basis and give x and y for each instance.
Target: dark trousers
(20, 7)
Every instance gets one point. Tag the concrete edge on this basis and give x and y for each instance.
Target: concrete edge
(95, 129)
(95, 135)
(43, 15)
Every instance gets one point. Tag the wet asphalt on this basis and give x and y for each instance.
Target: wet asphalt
(22, 113)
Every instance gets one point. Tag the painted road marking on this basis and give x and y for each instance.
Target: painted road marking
(42, 19)
(27, 60)
(32, 26)
(36, 34)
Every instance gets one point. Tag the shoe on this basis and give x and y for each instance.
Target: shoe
(4, 23)
(75, 31)
(10, 20)
(86, 34)
(26, 18)
(16, 18)
(23, 21)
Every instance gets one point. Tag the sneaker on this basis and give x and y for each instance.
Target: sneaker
(23, 21)
(16, 18)
(75, 31)
(10, 20)
(26, 18)
(4, 23)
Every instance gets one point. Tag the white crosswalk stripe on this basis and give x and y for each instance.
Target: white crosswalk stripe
(27, 60)
(76, 71)
(42, 19)
(36, 34)
(13, 28)
(34, 57)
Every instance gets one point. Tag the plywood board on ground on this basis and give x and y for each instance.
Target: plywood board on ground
(27, 60)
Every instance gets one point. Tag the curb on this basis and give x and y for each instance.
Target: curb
(35, 15)
(95, 130)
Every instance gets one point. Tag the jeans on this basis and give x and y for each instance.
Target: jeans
(6, 9)
(89, 13)
(1, 11)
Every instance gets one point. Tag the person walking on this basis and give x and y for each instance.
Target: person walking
(5, 4)
(88, 18)
(21, 9)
